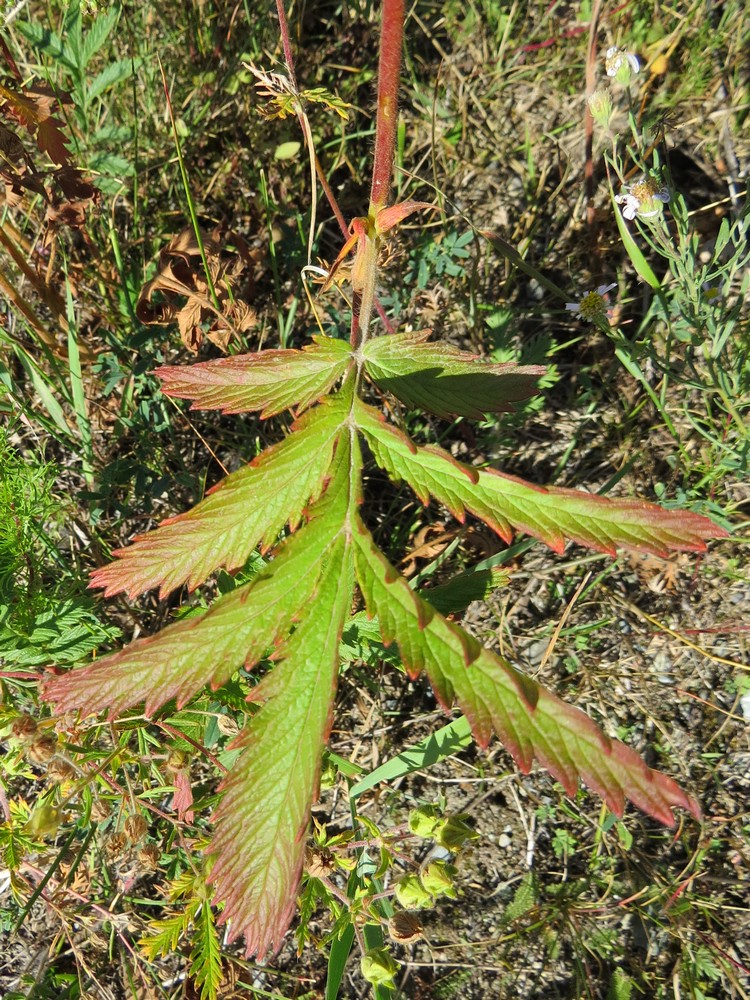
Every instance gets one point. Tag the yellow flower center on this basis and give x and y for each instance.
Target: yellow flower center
(592, 306)
(645, 190)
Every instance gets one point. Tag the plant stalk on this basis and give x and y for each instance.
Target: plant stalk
(389, 71)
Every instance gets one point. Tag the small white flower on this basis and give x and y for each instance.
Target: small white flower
(621, 64)
(593, 305)
(644, 198)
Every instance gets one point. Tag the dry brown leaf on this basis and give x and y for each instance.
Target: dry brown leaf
(430, 541)
(33, 109)
(659, 574)
(188, 321)
(11, 147)
(182, 274)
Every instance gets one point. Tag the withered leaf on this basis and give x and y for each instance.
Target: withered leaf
(33, 108)
(74, 185)
(11, 147)
(182, 274)
(68, 213)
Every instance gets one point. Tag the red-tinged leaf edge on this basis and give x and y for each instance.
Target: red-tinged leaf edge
(389, 217)
(262, 818)
(267, 381)
(601, 523)
(531, 722)
(439, 378)
(202, 544)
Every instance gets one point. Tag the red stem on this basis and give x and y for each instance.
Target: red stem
(286, 43)
(389, 71)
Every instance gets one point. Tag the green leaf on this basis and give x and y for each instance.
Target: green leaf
(47, 41)
(15, 840)
(62, 633)
(270, 381)
(524, 899)
(443, 380)
(249, 507)
(437, 747)
(551, 514)
(72, 34)
(205, 955)
(97, 33)
(287, 150)
(111, 75)
(457, 594)
(620, 987)
(496, 698)
(341, 946)
(111, 165)
(639, 262)
(166, 935)
(208, 648)
(265, 809)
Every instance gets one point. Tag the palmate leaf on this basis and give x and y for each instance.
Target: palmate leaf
(551, 514)
(496, 698)
(443, 380)
(248, 508)
(207, 649)
(270, 381)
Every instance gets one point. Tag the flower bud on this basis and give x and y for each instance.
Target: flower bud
(149, 857)
(60, 770)
(453, 833)
(44, 821)
(411, 894)
(405, 926)
(42, 747)
(437, 879)
(423, 822)
(135, 827)
(600, 106)
(177, 760)
(115, 844)
(23, 726)
(379, 967)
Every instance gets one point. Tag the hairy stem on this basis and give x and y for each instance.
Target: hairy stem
(389, 69)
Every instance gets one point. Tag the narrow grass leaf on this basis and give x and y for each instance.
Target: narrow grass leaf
(44, 392)
(639, 262)
(437, 747)
(76, 389)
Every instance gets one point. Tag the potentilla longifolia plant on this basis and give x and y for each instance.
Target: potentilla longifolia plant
(300, 503)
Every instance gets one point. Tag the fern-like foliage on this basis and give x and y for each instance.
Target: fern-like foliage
(299, 605)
